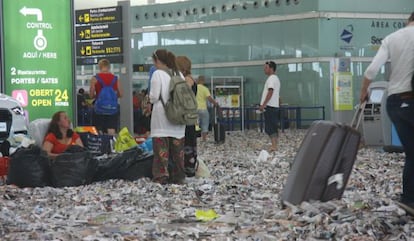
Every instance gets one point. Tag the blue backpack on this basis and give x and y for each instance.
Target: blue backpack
(106, 102)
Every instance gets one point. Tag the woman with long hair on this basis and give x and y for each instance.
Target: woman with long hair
(167, 138)
(59, 135)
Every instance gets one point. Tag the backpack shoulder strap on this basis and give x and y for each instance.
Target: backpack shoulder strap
(114, 81)
(100, 80)
(160, 98)
(169, 72)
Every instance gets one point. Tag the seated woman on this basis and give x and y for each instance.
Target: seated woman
(59, 135)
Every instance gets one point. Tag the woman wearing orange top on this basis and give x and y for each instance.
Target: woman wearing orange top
(59, 135)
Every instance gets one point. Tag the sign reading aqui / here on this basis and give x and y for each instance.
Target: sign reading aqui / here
(99, 35)
(38, 56)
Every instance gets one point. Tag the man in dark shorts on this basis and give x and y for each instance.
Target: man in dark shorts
(105, 123)
(270, 103)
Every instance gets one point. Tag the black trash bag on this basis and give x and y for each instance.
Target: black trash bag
(140, 166)
(96, 144)
(74, 167)
(29, 167)
(117, 165)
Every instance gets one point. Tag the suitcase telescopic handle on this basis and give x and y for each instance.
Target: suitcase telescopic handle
(217, 114)
(356, 120)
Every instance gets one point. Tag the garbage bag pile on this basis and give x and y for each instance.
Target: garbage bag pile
(30, 167)
(240, 201)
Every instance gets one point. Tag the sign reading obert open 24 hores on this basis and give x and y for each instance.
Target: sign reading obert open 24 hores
(99, 35)
(38, 56)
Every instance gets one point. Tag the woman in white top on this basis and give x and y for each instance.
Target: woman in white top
(167, 138)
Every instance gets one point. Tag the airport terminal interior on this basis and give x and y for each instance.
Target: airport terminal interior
(242, 188)
(235, 39)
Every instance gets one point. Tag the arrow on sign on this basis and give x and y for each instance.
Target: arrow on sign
(80, 18)
(32, 11)
(81, 34)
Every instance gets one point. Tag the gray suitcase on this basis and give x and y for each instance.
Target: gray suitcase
(323, 162)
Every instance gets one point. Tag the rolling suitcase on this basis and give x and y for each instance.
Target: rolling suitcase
(324, 161)
(219, 129)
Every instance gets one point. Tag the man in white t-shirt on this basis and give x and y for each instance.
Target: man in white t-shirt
(270, 103)
(398, 48)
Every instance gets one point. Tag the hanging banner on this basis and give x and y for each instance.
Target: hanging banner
(343, 94)
(38, 55)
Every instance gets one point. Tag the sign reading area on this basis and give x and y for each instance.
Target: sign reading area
(38, 59)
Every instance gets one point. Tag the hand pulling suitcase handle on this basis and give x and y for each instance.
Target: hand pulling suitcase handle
(356, 120)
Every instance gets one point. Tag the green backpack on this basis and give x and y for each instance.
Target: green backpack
(181, 108)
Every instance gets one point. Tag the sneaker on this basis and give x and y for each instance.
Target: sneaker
(407, 206)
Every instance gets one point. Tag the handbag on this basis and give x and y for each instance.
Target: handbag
(96, 144)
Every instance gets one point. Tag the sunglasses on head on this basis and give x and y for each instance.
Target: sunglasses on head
(155, 54)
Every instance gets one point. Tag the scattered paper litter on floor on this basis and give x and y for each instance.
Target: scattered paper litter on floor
(242, 191)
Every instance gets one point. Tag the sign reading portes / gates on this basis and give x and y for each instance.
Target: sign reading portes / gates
(99, 35)
(38, 59)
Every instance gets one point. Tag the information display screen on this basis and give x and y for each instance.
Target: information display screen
(376, 96)
(38, 55)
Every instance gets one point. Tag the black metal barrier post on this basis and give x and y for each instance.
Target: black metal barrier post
(231, 117)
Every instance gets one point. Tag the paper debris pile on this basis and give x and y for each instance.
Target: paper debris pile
(243, 193)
